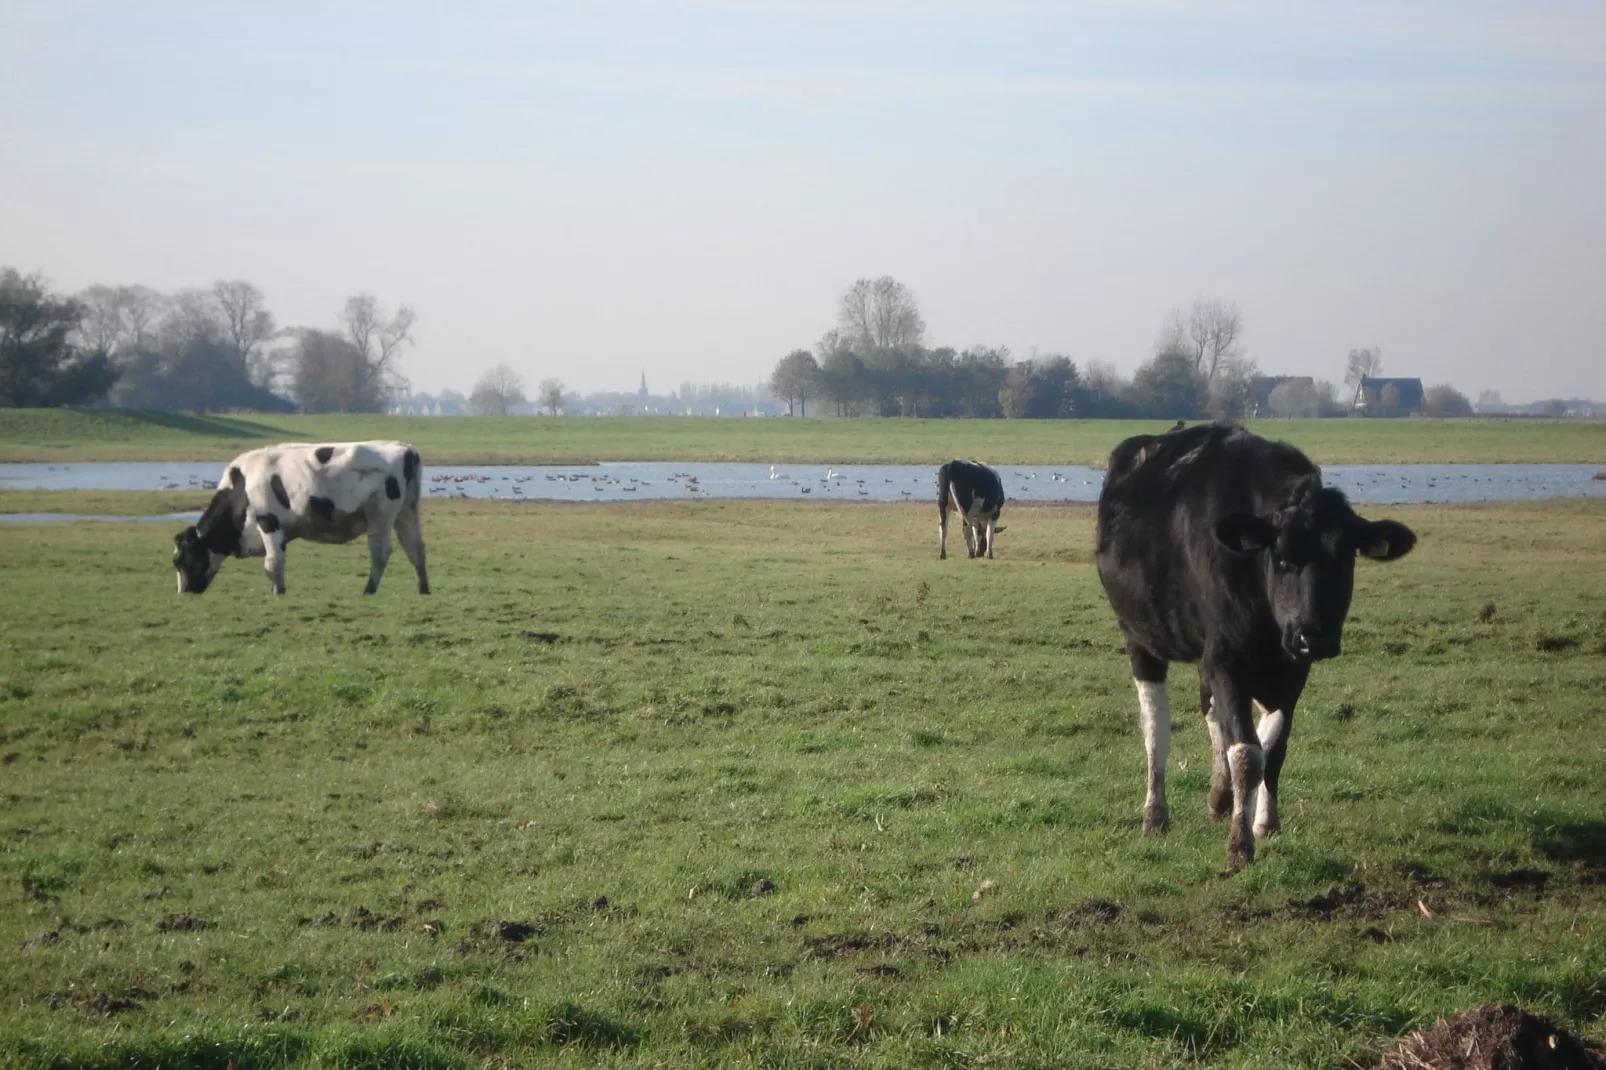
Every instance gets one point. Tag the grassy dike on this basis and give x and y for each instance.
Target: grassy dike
(69, 435)
(766, 784)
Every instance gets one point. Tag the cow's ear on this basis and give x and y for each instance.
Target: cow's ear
(1384, 540)
(1245, 534)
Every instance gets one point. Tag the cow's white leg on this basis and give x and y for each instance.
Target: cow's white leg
(989, 540)
(1246, 761)
(411, 537)
(970, 539)
(1155, 711)
(1271, 730)
(1219, 801)
(273, 559)
(378, 554)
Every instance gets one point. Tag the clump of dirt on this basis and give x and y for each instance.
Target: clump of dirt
(1494, 1036)
(182, 923)
(1092, 910)
(367, 921)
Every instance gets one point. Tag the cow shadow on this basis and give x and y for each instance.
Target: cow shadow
(1572, 841)
(213, 426)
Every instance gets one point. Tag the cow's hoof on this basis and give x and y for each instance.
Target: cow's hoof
(942, 557)
(1240, 858)
(1155, 820)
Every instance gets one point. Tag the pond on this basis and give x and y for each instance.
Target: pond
(636, 481)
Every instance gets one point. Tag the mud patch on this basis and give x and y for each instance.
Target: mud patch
(182, 923)
(365, 920)
(1492, 1037)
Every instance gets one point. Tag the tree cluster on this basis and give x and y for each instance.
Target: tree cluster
(209, 349)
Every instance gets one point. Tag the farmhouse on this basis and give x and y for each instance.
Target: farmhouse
(1388, 397)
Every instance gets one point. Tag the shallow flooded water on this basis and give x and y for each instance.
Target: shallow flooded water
(636, 481)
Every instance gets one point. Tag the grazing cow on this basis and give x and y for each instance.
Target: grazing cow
(977, 494)
(329, 493)
(1219, 547)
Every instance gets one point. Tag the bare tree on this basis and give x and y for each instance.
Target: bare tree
(1297, 399)
(101, 330)
(1363, 364)
(1230, 392)
(329, 374)
(498, 390)
(247, 324)
(1102, 378)
(880, 314)
(550, 395)
(1214, 328)
(379, 338)
(192, 317)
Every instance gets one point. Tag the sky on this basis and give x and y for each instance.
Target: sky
(596, 190)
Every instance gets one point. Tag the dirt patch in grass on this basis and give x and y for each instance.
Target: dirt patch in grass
(182, 923)
(1493, 1037)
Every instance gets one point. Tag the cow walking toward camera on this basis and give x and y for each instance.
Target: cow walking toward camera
(330, 493)
(976, 493)
(1218, 547)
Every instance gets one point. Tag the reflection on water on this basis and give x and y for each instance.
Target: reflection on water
(45, 518)
(1373, 484)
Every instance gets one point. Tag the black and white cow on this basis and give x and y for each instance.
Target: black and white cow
(328, 493)
(976, 493)
(1219, 547)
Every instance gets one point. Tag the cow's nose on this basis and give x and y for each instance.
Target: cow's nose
(1302, 644)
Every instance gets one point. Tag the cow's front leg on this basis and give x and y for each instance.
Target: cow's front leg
(942, 535)
(1273, 733)
(1246, 762)
(1154, 712)
(989, 540)
(273, 554)
(1219, 802)
(971, 539)
(378, 554)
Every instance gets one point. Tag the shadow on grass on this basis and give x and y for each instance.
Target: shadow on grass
(1567, 840)
(219, 426)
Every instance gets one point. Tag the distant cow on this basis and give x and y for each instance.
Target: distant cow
(1217, 546)
(329, 493)
(977, 494)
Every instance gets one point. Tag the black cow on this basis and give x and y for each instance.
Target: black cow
(1219, 547)
(977, 494)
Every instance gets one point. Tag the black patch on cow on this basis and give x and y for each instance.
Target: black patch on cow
(323, 453)
(323, 508)
(236, 478)
(278, 490)
(268, 522)
(410, 465)
(392, 488)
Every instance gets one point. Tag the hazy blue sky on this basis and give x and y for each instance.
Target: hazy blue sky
(590, 189)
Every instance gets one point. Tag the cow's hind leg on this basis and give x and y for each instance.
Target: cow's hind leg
(411, 536)
(378, 554)
(990, 525)
(1154, 711)
(1219, 802)
(942, 534)
(971, 539)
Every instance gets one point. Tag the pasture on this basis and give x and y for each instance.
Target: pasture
(766, 784)
(103, 435)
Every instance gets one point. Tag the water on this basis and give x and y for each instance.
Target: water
(637, 481)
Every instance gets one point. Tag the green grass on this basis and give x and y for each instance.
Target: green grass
(764, 784)
(70, 435)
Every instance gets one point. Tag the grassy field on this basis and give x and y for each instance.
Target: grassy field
(767, 785)
(67, 435)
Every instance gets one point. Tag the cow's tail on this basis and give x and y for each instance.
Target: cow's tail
(413, 476)
(942, 492)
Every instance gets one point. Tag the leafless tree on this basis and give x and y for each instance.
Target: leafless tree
(1214, 329)
(379, 337)
(1363, 364)
(329, 374)
(794, 378)
(880, 314)
(247, 324)
(1296, 399)
(498, 390)
(118, 319)
(193, 316)
(1230, 391)
(1102, 378)
(550, 395)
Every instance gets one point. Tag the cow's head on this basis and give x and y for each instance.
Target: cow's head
(195, 563)
(1307, 551)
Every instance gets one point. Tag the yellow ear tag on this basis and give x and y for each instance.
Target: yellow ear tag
(1247, 544)
(1378, 550)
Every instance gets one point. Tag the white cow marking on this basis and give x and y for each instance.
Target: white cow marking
(1155, 712)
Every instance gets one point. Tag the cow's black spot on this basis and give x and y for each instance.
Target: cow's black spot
(323, 453)
(268, 522)
(392, 488)
(410, 465)
(236, 478)
(322, 507)
(278, 490)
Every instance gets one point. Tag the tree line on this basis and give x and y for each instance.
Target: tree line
(875, 361)
(210, 349)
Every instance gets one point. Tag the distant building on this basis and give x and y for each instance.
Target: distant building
(1261, 387)
(1388, 397)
